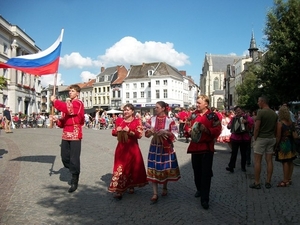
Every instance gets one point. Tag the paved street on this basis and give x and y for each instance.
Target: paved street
(33, 187)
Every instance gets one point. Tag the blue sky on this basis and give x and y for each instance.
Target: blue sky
(108, 33)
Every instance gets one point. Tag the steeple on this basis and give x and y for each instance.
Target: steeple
(253, 49)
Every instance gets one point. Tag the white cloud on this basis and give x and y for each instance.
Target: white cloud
(129, 51)
(49, 79)
(86, 75)
(75, 60)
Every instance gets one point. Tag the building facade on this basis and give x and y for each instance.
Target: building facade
(149, 83)
(23, 91)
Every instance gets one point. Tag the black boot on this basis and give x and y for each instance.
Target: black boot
(74, 183)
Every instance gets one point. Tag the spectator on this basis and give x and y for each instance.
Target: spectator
(7, 119)
(264, 141)
(285, 151)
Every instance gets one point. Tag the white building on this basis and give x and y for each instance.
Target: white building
(86, 94)
(149, 83)
(23, 91)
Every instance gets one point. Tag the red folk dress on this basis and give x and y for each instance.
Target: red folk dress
(129, 168)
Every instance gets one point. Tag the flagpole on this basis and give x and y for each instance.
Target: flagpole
(54, 93)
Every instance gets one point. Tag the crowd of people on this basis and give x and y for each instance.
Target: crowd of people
(10, 120)
(266, 132)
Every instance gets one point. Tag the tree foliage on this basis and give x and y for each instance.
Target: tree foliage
(3, 82)
(280, 76)
(249, 91)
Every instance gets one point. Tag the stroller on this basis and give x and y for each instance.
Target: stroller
(103, 124)
(39, 122)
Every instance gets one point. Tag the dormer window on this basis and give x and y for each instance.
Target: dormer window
(150, 72)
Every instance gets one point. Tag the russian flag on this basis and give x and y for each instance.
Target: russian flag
(41, 63)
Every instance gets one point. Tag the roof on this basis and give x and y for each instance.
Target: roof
(157, 68)
(88, 84)
(220, 62)
(110, 71)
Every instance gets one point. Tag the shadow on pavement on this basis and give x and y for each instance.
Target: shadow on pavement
(64, 174)
(2, 152)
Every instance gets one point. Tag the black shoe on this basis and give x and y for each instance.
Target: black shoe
(74, 183)
(197, 194)
(187, 141)
(205, 205)
(230, 169)
(255, 186)
(73, 188)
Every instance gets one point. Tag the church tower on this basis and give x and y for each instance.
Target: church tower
(253, 50)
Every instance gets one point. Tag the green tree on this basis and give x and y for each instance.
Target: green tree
(3, 82)
(281, 64)
(249, 91)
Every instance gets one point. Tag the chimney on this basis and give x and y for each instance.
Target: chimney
(102, 68)
(183, 72)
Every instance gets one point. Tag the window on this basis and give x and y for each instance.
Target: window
(142, 85)
(5, 74)
(114, 94)
(5, 49)
(165, 93)
(157, 82)
(142, 94)
(103, 89)
(106, 78)
(216, 84)
(134, 85)
(100, 90)
(165, 82)
(127, 86)
(127, 94)
(119, 94)
(157, 94)
(134, 95)
(107, 89)
(150, 72)
(149, 94)
(149, 84)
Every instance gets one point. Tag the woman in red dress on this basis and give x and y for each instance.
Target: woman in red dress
(129, 168)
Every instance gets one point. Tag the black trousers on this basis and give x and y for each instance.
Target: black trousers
(181, 127)
(70, 155)
(202, 166)
(235, 146)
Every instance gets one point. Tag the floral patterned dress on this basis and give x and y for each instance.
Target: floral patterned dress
(162, 161)
(129, 168)
(286, 149)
